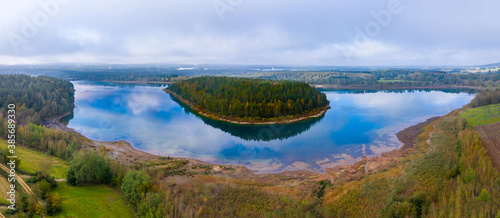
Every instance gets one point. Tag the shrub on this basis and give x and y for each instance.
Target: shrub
(470, 175)
(39, 176)
(451, 173)
(484, 196)
(89, 167)
(401, 209)
(421, 202)
(150, 206)
(44, 188)
(135, 185)
(54, 204)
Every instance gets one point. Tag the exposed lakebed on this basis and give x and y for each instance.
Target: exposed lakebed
(359, 123)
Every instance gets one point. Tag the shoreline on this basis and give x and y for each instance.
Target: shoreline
(336, 87)
(126, 154)
(215, 117)
(329, 86)
(138, 81)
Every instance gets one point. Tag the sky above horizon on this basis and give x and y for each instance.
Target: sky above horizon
(279, 32)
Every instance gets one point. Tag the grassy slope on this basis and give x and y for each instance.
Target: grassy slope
(482, 115)
(80, 201)
(370, 196)
(32, 161)
(92, 201)
(423, 173)
(4, 188)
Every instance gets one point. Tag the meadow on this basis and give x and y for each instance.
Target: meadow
(32, 161)
(482, 115)
(92, 201)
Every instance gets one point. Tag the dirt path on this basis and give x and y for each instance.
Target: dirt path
(490, 137)
(430, 134)
(54, 123)
(20, 180)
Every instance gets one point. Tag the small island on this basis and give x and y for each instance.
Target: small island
(250, 101)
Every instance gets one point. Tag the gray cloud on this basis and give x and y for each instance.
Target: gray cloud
(296, 32)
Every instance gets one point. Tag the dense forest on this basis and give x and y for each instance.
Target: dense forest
(121, 75)
(487, 97)
(243, 98)
(453, 177)
(388, 78)
(36, 98)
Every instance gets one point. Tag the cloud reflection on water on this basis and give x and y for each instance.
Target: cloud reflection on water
(149, 119)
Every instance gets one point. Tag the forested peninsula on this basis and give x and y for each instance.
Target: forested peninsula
(250, 101)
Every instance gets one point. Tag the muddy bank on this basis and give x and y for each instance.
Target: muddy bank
(123, 152)
(387, 160)
(53, 123)
(127, 155)
(409, 135)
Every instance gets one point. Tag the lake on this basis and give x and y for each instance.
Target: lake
(359, 123)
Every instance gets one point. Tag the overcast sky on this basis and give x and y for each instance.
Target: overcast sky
(275, 32)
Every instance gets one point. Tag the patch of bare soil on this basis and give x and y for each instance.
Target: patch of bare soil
(490, 137)
(53, 123)
(409, 135)
(188, 170)
(126, 154)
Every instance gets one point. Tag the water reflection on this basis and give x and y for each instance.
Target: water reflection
(359, 123)
(257, 132)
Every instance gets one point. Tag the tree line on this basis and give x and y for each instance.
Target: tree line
(36, 98)
(486, 97)
(121, 75)
(255, 98)
(42, 97)
(379, 78)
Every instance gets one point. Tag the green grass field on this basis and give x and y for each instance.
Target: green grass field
(482, 115)
(4, 188)
(92, 201)
(32, 161)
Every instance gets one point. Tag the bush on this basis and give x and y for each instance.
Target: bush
(44, 188)
(485, 196)
(89, 168)
(150, 206)
(54, 204)
(401, 209)
(470, 175)
(421, 202)
(135, 185)
(451, 173)
(39, 176)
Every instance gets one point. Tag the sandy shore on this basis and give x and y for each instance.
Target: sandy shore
(126, 154)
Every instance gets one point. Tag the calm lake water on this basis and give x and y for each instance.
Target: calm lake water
(360, 122)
